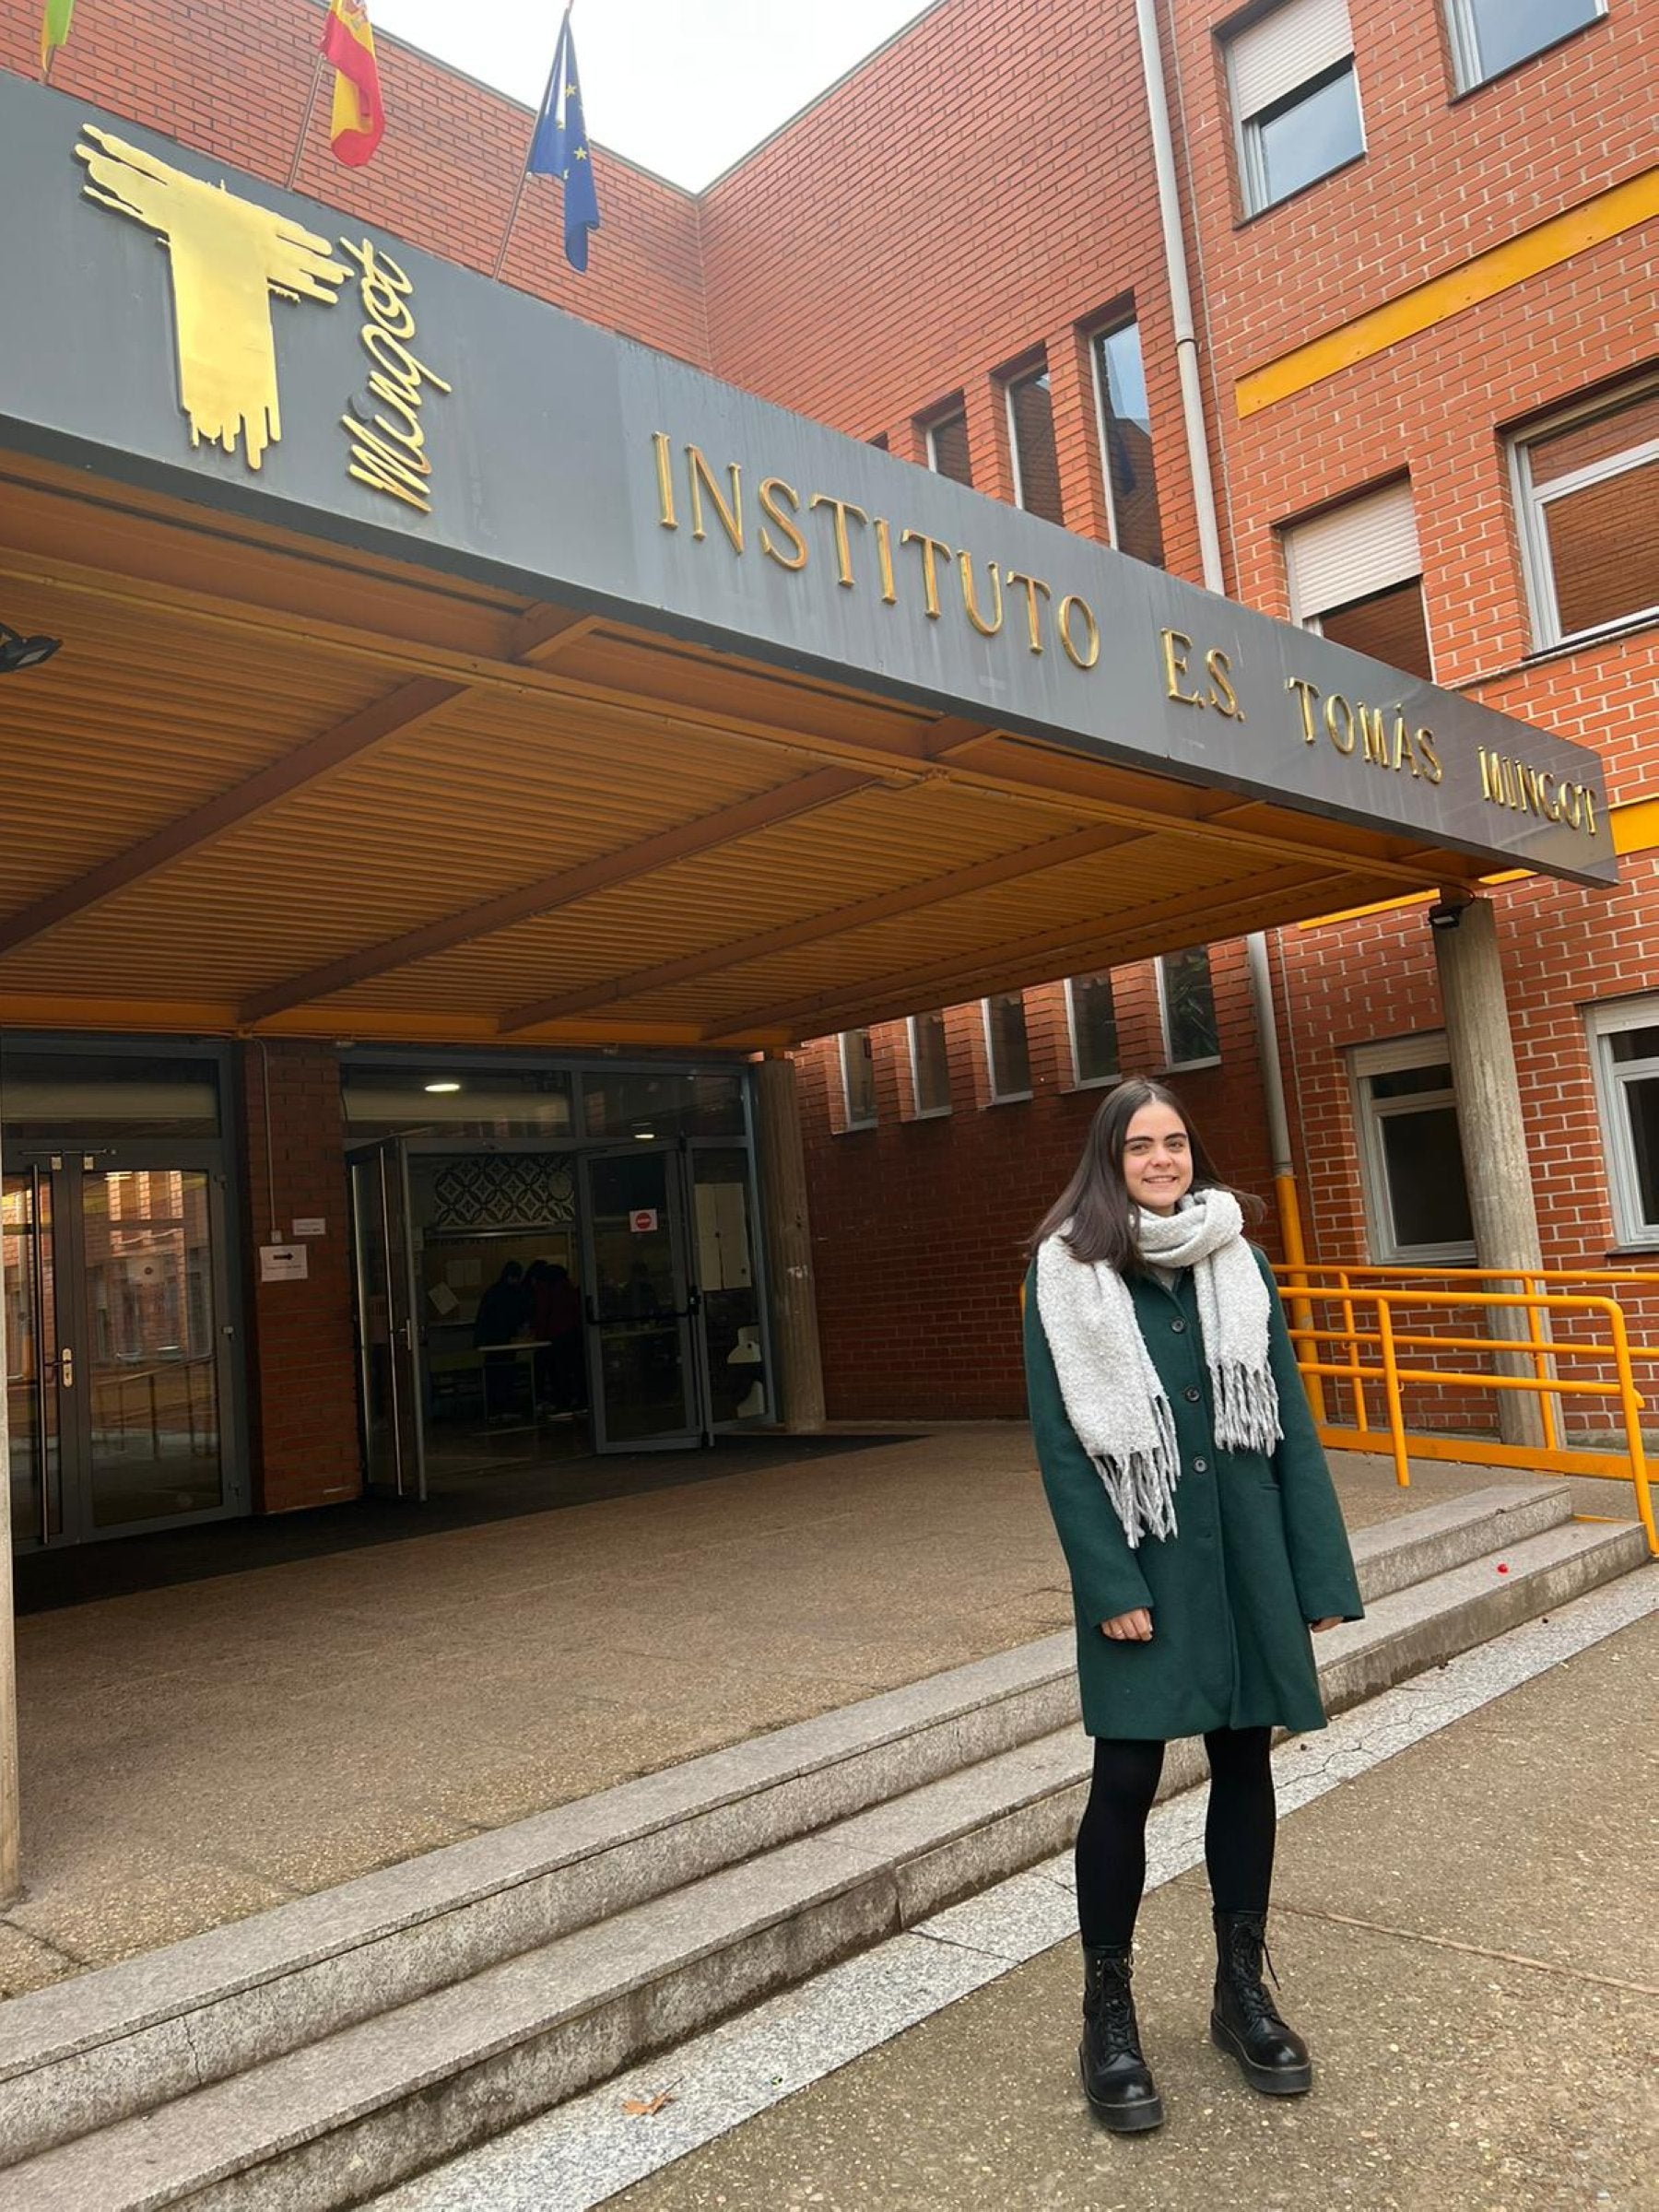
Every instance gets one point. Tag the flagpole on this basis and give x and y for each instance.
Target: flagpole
(518, 197)
(311, 109)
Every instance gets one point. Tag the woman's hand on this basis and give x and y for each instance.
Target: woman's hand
(1129, 1628)
(1331, 1621)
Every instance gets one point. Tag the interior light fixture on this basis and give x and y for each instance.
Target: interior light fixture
(443, 1087)
(643, 1135)
(18, 653)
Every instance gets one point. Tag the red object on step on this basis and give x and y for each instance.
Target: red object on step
(1503, 1567)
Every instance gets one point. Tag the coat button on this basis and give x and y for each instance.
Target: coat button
(1201, 1467)
(1177, 1328)
(1191, 1394)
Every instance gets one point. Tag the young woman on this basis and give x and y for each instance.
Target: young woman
(1204, 1538)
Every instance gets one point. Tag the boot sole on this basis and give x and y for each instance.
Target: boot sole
(1272, 2081)
(1123, 2119)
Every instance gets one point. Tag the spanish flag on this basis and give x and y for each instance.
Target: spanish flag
(55, 30)
(359, 118)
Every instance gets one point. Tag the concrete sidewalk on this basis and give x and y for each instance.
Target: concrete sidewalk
(196, 1753)
(1468, 1934)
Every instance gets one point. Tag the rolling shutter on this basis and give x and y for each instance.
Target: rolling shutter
(1352, 551)
(1288, 48)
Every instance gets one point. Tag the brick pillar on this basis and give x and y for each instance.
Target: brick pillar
(302, 1376)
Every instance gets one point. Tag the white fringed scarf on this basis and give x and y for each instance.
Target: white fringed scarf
(1113, 1398)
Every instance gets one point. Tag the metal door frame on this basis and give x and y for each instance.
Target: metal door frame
(688, 1296)
(405, 1370)
(64, 1169)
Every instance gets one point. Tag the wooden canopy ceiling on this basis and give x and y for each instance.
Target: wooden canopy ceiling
(267, 786)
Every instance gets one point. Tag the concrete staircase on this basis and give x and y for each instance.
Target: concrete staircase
(314, 2055)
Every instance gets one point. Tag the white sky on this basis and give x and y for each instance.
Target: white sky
(682, 86)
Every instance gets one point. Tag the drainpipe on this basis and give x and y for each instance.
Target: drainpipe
(1209, 552)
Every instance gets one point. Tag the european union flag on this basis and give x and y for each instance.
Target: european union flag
(559, 149)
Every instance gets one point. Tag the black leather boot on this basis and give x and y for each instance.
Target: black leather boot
(1272, 2057)
(1116, 2080)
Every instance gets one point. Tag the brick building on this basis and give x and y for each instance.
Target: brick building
(959, 253)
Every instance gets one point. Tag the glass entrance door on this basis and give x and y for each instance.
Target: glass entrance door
(388, 1335)
(641, 1301)
(120, 1355)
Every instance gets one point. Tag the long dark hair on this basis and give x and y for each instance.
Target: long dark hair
(1097, 1202)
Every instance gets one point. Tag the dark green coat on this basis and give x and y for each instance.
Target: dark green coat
(1261, 1550)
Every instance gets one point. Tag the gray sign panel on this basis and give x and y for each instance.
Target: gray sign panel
(246, 347)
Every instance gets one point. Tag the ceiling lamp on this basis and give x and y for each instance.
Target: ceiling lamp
(18, 653)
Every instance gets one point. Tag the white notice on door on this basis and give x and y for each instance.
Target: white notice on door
(313, 1225)
(284, 1263)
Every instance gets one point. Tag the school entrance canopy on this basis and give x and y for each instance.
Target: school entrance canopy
(436, 666)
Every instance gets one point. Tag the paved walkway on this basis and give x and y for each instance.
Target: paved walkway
(1465, 1930)
(194, 1753)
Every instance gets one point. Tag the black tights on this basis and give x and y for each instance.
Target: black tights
(1111, 1837)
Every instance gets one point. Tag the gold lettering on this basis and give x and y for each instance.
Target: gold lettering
(1589, 799)
(1337, 710)
(1373, 731)
(1511, 782)
(1092, 632)
(841, 509)
(665, 476)
(970, 594)
(884, 559)
(1223, 695)
(1572, 807)
(1488, 774)
(702, 478)
(1426, 752)
(1031, 585)
(772, 488)
(409, 372)
(1403, 757)
(381, 467)
(933, 549)
(1548, 793)
(1532, 798)
(1176, 646)
(384, 290)
(1308, 695)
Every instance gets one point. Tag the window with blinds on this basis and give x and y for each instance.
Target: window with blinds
(1295, 98)
(1355, 575)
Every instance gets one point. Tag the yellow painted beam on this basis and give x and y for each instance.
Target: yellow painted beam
(1545, 246)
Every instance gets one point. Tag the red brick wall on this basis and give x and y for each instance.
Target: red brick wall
(919, 1226)
(979, 189)
(234, 79)
(301, 1379)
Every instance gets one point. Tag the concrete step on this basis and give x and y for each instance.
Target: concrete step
(329, 2124)
(119, 2042)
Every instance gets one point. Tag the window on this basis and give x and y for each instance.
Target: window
(1126, 443)
(1416, 1200)
(1588, 489)
(930, 1064)
(1031, 441)
(858, 1079)
(1624, 1048)
(948, 453)
(1093, 1018)
(1007, 1052)
(1354, 574)
(1295, 98)
(880, 442)
(1186, 999)
(1488, 36)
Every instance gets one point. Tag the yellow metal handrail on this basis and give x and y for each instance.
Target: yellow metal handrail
(1372, 1302)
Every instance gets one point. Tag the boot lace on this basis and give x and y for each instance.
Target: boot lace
(1247, 1952)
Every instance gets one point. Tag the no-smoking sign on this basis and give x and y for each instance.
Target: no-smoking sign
(643, 1220)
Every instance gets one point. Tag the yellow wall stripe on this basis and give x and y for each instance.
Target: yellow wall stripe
(1546, 246)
